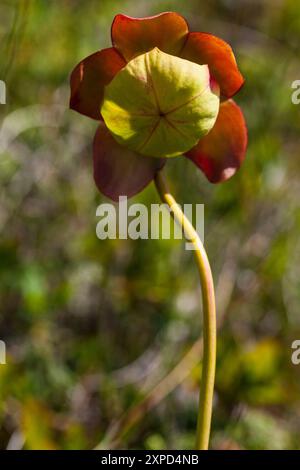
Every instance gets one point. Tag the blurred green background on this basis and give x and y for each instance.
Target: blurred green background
(92, 327)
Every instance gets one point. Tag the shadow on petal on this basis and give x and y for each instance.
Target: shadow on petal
(119, 171)
(221, 152)
(204, 48)
(89, 78)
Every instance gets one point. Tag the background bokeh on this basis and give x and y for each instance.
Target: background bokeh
(102, 336)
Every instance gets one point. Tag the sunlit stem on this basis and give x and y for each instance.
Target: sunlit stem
(209, 315)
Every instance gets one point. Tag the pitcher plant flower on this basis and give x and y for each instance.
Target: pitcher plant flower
(162, 91)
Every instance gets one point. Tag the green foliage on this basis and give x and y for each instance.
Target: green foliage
(91, 326)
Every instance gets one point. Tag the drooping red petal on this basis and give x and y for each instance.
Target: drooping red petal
(133, 36)
(89, 78)
(204, 48)
(221, 152)
(119, 171)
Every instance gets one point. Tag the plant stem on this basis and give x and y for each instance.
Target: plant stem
(209, 314)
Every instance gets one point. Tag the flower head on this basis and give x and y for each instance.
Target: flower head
(160, 91)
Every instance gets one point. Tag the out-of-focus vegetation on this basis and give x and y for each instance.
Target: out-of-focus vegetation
(92, 326)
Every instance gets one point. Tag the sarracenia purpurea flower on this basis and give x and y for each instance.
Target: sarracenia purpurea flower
(160, 91)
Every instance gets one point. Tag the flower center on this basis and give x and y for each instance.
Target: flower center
(160, 105)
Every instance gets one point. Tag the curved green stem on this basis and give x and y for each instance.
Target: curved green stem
(209, 315)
